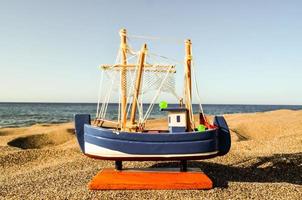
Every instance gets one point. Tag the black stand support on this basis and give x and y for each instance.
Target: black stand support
(183, 165)
(118, 165)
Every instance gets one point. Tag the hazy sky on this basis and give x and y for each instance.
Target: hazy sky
(247, 52)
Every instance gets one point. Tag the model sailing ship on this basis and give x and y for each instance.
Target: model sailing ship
(129, 137)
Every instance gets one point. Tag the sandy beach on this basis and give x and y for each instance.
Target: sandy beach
(265, 162)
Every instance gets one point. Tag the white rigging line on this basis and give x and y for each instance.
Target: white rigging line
(129, 58)
(141, 109)
(164, 57)
(99, 94)
(108, 98)
(192, 121)
(130, 49)
(197, 89)
(156, 96)
(131, 93)
(102, 112)
(174, 40)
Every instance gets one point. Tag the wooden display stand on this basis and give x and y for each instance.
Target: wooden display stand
(151, 179)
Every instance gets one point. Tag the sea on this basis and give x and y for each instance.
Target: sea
(27, 114)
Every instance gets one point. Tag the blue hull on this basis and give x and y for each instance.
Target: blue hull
(108, 144)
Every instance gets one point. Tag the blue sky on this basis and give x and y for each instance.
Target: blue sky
(247, 52)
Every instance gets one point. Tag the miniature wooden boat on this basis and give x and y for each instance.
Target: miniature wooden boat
(109, 144)
(129, 139)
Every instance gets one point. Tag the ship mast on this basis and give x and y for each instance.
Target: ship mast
(123, 49)
(123, 67)
(138, 83)
(188, 84)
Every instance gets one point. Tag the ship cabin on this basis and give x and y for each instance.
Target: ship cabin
(177, 119)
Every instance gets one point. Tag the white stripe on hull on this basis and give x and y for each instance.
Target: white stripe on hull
(104, 152)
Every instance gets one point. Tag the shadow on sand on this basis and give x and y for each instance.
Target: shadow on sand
(271, 169)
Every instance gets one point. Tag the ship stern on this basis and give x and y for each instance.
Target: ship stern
(80, 120)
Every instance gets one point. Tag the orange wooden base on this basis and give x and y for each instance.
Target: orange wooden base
(110, 179)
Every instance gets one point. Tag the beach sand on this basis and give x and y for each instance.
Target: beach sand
(265, 162)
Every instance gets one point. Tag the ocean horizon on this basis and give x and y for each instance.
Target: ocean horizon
(19, 114)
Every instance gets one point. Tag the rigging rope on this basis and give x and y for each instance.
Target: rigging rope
(167, 58)
(154, 98)
(196, 88)
(99, 93)
(174, 40)
(154, 78)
